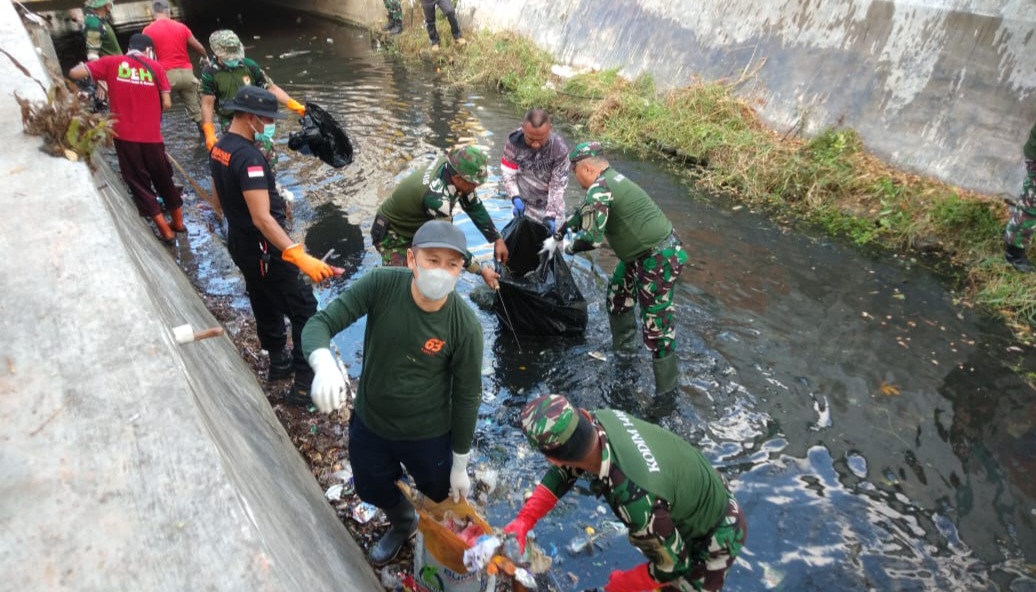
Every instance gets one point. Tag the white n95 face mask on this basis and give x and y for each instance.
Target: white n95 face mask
(435, 283)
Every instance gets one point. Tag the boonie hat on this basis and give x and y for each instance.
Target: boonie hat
(440, 234)
(140, 42)
(585, 150)
(549, 421)
(226, 45)
(470, 163)
(254, 100)
(97, 3)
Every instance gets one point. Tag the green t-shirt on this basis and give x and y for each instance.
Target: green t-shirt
(422, 371)
(616, 208)
(1030, 146)
(427, 194)
(100, 36)
(223, 83)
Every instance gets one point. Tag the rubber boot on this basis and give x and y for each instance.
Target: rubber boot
(1016, 257)
(665, 374)
(624, 332)
(176, 222)
(164, 232)
(403, 524)
(281, 365)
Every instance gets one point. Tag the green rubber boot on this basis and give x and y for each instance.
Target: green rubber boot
(403, 524)
(665, 374)
(624, 332)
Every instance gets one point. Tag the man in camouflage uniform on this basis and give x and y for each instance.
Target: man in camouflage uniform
(650, 256)
(1022, 221)
(395, 17)
(98, 30)
(679, 511)
(222, 78)
(433, 193)
(534, 168)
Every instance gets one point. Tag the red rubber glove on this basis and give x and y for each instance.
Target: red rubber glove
(537, 506)
(632, 580)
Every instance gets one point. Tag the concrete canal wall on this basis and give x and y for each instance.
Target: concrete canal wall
(946, 88)
(129, 462)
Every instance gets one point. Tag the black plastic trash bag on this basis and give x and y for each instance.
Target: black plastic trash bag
(539, 294)
(321, 136)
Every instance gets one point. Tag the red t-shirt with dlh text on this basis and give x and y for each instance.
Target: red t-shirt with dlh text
(133, 95)
(170, 39)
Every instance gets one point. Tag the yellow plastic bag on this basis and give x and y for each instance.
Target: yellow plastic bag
(444, 544)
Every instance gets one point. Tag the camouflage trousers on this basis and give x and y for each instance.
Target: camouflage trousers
(649, 282)
(395, 11)
(392, 249)
(1022, 221)
(714, 555)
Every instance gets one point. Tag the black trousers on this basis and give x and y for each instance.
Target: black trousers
(428, 6)
(148, 173)
(275, 290)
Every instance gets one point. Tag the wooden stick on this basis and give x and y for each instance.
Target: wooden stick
(197, 189)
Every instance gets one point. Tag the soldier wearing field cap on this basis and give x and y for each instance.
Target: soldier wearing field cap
(431, 193)
(650, 257)
(421, 382)
(678, 509)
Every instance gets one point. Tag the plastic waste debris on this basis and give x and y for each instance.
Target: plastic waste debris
(185, 334)
(364, 512)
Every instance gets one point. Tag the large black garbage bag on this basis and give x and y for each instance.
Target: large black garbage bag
(538, 292)
(321, 136)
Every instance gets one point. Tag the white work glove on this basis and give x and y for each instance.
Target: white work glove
(460, 483)
(550, 245)
(329, 389)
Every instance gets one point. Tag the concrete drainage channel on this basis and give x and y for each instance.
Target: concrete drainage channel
(130, 459)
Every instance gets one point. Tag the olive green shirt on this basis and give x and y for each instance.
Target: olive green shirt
(619, 210)
(100, 37)
(223, 83)
(422, 371)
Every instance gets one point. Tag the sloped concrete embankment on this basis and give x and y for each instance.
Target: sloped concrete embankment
(941, 87)
(128, 461)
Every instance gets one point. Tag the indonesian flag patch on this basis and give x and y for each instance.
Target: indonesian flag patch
(255, 172)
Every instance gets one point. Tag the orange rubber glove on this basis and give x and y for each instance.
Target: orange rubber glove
(316, 269)
(537, 506)
(297, 107)
(210, 135)
(632, 580)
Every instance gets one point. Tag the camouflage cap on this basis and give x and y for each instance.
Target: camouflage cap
(226, 45)
(97, 3)
(549, 421)
(470, 163)
(585, 150)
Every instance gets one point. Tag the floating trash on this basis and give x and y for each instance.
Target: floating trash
(598, 356)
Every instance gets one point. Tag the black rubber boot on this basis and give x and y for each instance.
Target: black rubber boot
(665, 374)
(403, 524)
(624, 332)
(299, 394)
(281, 365)
(1016, 257)
(396, 28)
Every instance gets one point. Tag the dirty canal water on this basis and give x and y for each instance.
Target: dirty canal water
(877, 432)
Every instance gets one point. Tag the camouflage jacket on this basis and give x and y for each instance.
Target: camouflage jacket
(538, 176)
(662, 488)
(100, 37)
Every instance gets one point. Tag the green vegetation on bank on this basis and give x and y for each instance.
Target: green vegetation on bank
(717, 138)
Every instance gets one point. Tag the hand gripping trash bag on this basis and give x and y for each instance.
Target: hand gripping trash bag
(537, 293)
(321, 136)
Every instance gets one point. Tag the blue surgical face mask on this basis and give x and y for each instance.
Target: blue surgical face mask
(269, 129)
(231, 63)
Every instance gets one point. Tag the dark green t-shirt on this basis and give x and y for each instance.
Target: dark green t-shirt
(223, 83)
(1030, 146)
(422, 371)
(100, 35)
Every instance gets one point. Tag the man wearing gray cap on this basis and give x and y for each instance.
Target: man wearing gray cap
(171, 42)
(421, 382)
